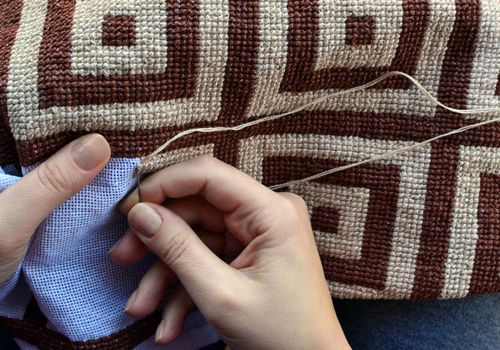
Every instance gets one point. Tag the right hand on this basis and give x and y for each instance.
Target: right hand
(273, 295)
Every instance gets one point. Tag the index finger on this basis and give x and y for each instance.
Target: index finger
(222, 185)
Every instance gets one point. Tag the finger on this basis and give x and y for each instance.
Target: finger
(207, 176)
(299, 203)
(128, 250)
(174, 316)
(222, 185)
(195, 210)
(151, 290)
(24, 205)
(159, 278)
(201, 272)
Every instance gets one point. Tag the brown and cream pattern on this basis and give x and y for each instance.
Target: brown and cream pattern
(424, 224)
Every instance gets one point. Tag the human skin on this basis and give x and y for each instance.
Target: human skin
(244, 255)
(271, 295)
(49, 185)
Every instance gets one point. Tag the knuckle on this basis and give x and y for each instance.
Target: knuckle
(176, 248)
(294, 203)
(54, 178)
(295, 210)
(228, 301)
(288, 206)
(297, 200)
(206, 161)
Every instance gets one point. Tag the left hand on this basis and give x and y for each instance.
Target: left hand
(25, 204)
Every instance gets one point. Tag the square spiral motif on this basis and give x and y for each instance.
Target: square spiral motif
(316, 37)
(338, 216)
(77, 67)
(119, 38)
(375, 256)
(357, 35)
(180, 77)
(319, 58)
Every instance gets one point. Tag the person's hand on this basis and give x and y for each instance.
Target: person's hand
(272, 295)
(25, 204)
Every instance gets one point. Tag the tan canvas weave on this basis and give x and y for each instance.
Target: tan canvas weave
(424, 224)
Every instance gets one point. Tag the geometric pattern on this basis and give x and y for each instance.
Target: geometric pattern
(73, 55)
(372, 222)
(318, 59)
(475, 224)
(159, 75)
(421, 225)
(10, 15)
(485, 92)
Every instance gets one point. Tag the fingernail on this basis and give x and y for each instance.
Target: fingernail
(159, 332)
(90, 151)
(113, 247)
(131, 301)
(145, 220)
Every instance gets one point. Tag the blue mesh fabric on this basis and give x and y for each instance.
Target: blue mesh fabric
(80, 290)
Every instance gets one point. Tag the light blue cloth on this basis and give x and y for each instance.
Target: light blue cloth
(80, 290)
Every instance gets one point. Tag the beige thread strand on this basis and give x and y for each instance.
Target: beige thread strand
(383, 156)
(422, 89)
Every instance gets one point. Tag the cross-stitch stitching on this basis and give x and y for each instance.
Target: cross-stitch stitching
(424, 224)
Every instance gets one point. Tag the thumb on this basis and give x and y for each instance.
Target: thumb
(24, 205)
(201, 272)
